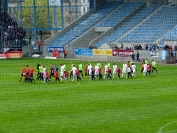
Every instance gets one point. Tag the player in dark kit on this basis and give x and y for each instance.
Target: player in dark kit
(109, 73)
(149, 67)
(78, 75)
(86, 71)
(100, 74)
(56, 76)
(51, 71)
(118, 72)
(92, 74)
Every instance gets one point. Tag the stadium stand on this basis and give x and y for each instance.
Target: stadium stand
(10, 32)
(128, 25)
(154, 27)
(119, 14)
(170, 35)
(85, 24)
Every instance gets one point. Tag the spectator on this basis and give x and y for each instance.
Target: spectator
(137, 56)
(10, 31)
(133, 57)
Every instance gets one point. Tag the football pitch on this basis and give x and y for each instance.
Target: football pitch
(136, 105)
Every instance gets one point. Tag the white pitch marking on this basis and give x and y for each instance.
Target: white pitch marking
(160, 130)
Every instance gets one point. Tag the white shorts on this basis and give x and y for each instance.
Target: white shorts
(144, 71)
(74, 74)
(124, 72)
(134, 71)
(90, 73)
(96, 73)
(105, 72)
(114, 72)
(62, 74)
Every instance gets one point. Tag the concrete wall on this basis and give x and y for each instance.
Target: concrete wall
(85, 39)
(98, 3)
(173, 43)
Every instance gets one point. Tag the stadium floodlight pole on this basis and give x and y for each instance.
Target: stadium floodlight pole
(35, 26)
(20, 13)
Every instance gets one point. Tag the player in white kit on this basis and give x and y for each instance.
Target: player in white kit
(61, 72)
(124, 70)
(133, 70)
(96, 70)
(105, 71)
(74, 72)
(90, 70)
(114, 70)
(145, 69)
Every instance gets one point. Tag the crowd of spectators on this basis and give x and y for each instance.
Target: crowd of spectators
(10, 32)
(92, 47)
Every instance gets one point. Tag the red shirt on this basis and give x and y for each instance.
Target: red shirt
(23, 69)
(85, 69)
(99, 70)
(148, 67)
(109, 71)
(77, 72)
(56, 74)
(47, 74)
(118, 70)
(31, 70)
(66, 74)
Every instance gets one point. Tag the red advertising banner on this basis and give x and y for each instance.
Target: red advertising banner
(2, 56)
(124, 53)
(14, 55)
(11, 53)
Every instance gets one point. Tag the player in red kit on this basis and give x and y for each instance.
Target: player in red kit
(78, 75)
(31, 72)
(66, 75)
(86, 71)
(100, 74)
(109, 73)
(149, 67)
(46, 76)
(56, 76)
(118, 72)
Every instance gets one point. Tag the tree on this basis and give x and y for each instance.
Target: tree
(44, 18)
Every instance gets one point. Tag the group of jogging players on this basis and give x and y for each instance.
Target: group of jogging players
(76, 72)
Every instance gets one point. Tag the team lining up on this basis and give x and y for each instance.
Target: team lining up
(129, 69)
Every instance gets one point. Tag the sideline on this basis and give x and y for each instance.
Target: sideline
(160, 130)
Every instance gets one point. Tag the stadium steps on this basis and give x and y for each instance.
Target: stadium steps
(161, 37)
(111, 30)
(68, 34)
(118, 40)
(84, 39)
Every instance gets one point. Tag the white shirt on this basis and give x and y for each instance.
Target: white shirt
(124, 67)
(145, 68)
(114, 67)
(106, 68)
(90, 68)
(96, 68)
(44, 70)
(62, 69)
(134, 68)
(74, 70)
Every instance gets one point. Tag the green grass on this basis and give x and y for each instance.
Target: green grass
(140, 105)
